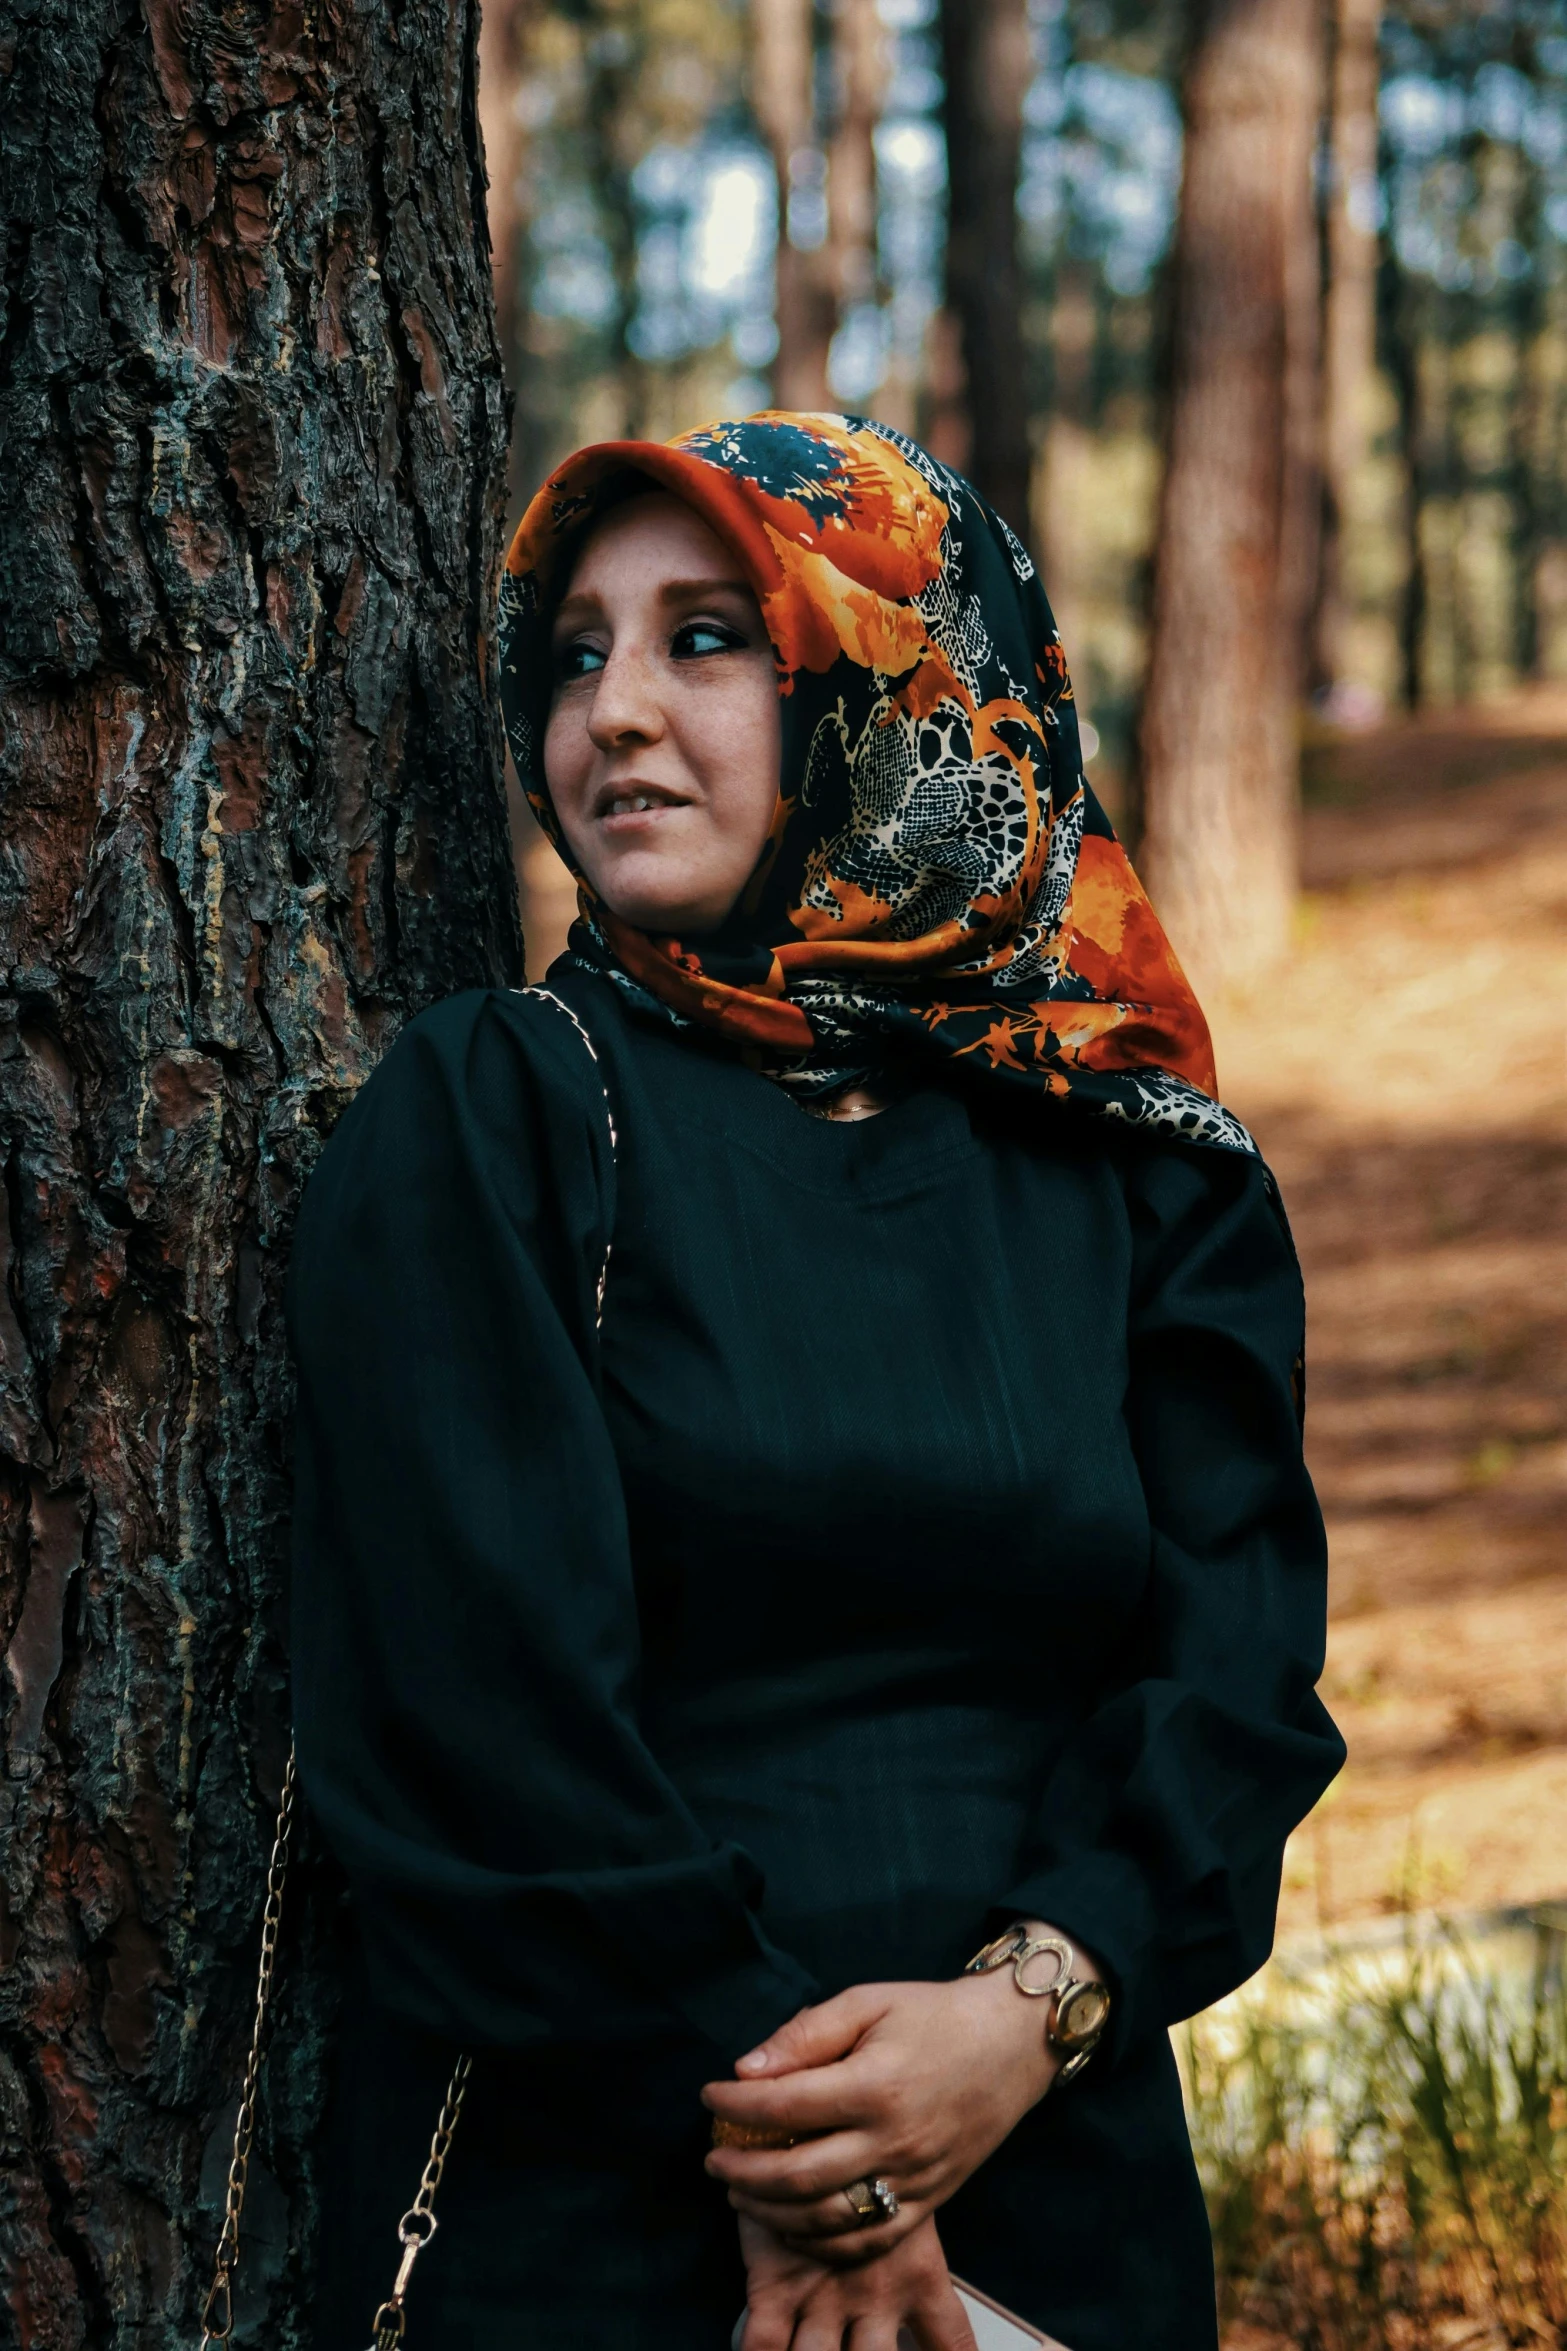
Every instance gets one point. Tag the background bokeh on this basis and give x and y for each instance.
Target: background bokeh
(636, 222)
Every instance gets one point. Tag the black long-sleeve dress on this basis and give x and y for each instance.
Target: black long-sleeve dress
(923, 1542)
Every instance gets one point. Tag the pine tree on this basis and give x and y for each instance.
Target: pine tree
(250, 821)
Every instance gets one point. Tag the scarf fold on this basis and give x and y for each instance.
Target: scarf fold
(939, 881)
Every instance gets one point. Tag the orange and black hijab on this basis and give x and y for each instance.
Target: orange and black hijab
(939, 880)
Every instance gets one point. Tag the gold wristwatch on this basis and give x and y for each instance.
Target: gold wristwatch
(1081, 2003)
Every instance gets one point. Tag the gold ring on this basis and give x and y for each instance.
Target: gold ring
(872, 2201)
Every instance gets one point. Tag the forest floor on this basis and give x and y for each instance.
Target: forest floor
(1406, 1075)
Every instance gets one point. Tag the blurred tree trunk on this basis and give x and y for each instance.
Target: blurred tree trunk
(783, 98)
(503, 50)
(860, 74)
(1350, 312)
(254, 431)
(1219, 744)
(618, 58)
(1411, 324)
(504, 30)
(986, 61)
(1527, 411)
(825, 175)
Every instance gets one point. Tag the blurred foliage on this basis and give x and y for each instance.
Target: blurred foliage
(647, 225)
(1385, 2157)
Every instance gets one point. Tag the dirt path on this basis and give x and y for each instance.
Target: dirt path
(1407, 1076)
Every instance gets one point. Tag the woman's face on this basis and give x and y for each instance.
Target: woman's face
(662, 749)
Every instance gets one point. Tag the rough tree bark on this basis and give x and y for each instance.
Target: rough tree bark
(1219, 747)
(1349, 313)
(986, 61)
(253, 428)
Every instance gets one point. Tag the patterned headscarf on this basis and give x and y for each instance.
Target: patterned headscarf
(938, 879)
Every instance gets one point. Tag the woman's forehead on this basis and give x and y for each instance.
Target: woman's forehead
(651, 524)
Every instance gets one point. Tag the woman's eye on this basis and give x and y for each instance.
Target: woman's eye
(697, 637)
(579, 660)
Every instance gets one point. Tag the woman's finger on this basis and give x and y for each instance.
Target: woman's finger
(794, 2175)
(829, 2216)
(816, 2036)
(878, 2333)
(769, 2329)
(818, 2332)
(818, 2098)
(834, 2215)
(808, 2228)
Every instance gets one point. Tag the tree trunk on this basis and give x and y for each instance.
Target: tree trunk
(860, 73)
(783, 87)
(254, 431)
(1350, 314)
(825, 176)
(1528, 444)
(1220, 756)
(503, 39)
(618, 56)
(1411, 326)
(986, 61)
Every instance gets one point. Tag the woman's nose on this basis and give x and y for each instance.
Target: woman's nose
(626, 707)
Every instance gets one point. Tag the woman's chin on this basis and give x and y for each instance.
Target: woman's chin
(653, 903)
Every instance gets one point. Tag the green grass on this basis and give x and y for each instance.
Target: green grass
(1384, 2153)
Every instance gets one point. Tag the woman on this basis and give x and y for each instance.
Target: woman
(921, 1545)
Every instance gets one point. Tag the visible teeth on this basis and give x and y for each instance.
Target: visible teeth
(629, 804)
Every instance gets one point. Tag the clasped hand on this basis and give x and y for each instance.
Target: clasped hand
(912, 2083)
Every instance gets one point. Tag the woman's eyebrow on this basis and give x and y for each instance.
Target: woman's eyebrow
(577, 599)
(670, 592)
(673, 590)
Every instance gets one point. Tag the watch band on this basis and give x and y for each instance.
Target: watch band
(1066, 1991)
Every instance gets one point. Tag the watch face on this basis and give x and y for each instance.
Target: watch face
(1080, 2018)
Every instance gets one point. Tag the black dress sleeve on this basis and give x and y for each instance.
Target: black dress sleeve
(464, 1622)
(1160, 1837)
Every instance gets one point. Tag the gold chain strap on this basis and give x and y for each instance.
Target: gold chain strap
(217, 2316)
(418, 2224)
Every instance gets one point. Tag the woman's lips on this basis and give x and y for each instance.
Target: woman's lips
(632, 809)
